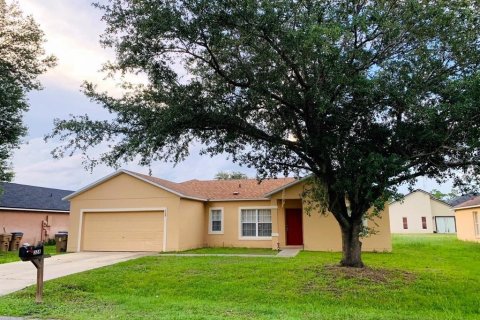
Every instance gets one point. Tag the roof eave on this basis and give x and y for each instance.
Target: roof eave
(467, 207)
(34, 209)
(239, 199)
(288, 185)
(425, 192)
(118, 172)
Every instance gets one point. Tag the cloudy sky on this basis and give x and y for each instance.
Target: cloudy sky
(72, 30)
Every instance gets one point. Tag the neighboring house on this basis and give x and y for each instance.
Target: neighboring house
(467, 215)
(420, 212)
(460, 199)
(36, 211)
(127, 211)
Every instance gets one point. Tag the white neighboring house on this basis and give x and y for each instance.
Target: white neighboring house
(420, 212)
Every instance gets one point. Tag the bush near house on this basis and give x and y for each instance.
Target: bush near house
(425, 277)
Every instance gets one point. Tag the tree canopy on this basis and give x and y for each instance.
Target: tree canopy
(22, 60)
(234, 175)
(362, 95)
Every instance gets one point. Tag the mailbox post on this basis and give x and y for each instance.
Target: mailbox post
(35, 254)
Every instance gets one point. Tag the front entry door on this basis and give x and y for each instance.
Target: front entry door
(293, 226)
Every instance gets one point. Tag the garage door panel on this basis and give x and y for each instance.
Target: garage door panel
(123, 231)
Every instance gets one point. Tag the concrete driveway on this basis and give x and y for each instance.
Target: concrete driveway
(15, 276)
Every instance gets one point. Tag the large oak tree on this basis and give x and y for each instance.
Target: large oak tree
(22, 60)
(362, 95)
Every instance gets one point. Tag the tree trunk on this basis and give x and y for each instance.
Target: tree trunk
(352, 247)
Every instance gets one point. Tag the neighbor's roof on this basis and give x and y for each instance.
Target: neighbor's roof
(21, 196)
(461, 199)
(472, 203)
(206, 190)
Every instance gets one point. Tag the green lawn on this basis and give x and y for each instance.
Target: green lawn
(426, 277)
(223, 250)
(12, 256)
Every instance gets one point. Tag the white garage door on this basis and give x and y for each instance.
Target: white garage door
(122, 231)
(445, 224)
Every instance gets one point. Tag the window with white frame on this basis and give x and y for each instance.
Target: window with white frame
(476, 222)
(215, 225)
(255, 223)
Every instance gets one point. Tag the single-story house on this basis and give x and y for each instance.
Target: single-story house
(467, 215)
(128, 211)
(36, 211)
(420, 212)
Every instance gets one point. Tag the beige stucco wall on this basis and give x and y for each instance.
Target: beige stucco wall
(414, 206)
(322, 232)
(30, 223)
(231, 229)
(440, 209)
(187, 221)
(124, 192)
(465, 224)
(191, 224)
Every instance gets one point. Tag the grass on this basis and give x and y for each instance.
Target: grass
(226, 250)
(426, 277)
(12, 256)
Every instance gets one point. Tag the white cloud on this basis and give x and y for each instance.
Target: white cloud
(72, 30)
(34, 165)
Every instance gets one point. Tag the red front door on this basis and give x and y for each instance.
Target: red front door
(293, 225)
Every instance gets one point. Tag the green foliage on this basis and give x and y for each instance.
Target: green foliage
(437, 194)
(235, 175)
(12, 256)
(426, 277)
(363, 95)
(22, 60)
(50, 242)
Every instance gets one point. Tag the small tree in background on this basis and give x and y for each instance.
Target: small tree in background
(22, 60)
(235, 175)
(437, 194)
(363, 95)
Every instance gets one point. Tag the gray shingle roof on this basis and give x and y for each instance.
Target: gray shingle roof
(30, 197)
(461, 199)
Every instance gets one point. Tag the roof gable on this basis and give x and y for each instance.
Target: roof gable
(21, 196)
(204, 190)
(424, 192)
(159, 183)
(292, 183)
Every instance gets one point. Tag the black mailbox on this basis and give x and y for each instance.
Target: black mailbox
(27, 253)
